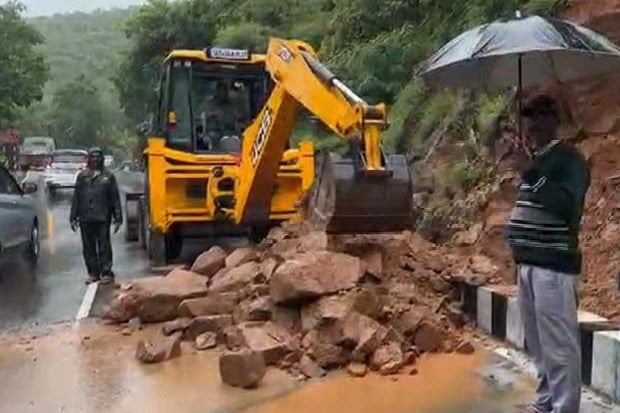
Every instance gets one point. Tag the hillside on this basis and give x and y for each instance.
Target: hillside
(51, 7)
(83, 44)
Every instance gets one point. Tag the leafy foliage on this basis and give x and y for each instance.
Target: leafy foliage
(373, 45)
(80, 103)
(78, 115)
(23, 71)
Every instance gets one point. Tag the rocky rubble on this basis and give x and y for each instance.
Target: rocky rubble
(306, 303)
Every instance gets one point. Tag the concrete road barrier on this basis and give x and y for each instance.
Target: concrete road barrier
(496, 312)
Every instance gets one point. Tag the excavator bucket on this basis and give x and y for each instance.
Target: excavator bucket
(345, 200)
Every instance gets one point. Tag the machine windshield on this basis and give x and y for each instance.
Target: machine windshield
(212, 104)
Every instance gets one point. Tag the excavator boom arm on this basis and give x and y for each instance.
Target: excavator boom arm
(301, 81)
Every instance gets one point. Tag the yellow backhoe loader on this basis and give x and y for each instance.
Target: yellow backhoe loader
(219, 160)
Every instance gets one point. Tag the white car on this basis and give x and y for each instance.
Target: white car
(64, 168)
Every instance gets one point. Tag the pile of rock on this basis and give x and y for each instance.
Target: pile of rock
(305, 303)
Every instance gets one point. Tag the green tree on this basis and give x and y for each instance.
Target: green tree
(156, 29)
(79, 118)
(23, 71)
(244, 35)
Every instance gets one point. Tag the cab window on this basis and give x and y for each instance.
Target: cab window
(179, 118)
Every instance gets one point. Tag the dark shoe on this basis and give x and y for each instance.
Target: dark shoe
(107, 279)
(92, 279)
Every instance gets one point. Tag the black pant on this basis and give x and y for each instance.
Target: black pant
(97, 247)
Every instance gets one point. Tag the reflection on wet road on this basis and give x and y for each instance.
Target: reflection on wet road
(54, 290)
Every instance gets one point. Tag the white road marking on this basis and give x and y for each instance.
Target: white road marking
(87, 301)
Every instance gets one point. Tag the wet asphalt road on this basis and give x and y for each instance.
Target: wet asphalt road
(53, 291)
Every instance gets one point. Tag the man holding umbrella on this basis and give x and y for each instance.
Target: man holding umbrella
(528, 52)
(543, 233)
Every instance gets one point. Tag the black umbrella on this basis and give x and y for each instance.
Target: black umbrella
(522, 52)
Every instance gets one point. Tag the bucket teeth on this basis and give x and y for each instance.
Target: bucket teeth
(346, 202)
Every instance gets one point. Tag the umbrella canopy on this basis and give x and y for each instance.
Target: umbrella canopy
(524, 52)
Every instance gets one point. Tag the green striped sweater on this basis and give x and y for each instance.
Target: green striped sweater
(544, 226)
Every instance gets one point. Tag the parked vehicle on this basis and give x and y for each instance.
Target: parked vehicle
(36, 152)
(19, 224)
(108, 161)
(64, 167)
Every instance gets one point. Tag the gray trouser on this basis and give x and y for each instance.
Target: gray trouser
(548, 304)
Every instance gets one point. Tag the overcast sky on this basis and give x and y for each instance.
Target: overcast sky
(48, 7)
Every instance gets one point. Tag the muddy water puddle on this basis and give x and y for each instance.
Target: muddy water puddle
(92, 369)
(445, 383)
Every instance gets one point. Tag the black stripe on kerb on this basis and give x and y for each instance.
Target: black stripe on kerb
(587, 330)
(469, 298)
(499, 313)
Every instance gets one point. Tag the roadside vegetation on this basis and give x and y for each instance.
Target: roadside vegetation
(104, 66)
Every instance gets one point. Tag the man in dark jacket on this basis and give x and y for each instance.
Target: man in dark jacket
(96, 204)
(543, 233)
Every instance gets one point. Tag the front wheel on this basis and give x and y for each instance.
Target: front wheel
(156, 248)
(33, 248)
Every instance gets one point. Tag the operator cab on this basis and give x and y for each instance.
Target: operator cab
(207, 99)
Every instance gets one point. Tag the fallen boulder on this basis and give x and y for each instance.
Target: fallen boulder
(465, 347)
(206, 341)
(209, 323)
(314, 241)
(328, 355)
(372, 261)
(388, 359)
(210, 262)
(243, 368)
(408, 322)
(357, 369)
(325, 310)
(259, 309)
(241, 256)
(270, 340)
(156, 299)
(235, 279)
(180, 324)
(287, 317)
(268, 267)
(428, 338)
(310, 368)
(158, 349)
(212, 304)
(314, 274)
(336, 307)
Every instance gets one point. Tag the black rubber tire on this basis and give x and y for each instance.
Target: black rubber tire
(156, 248)
(131, 232)
(259, 233)
(142, 224)
(33, 248)
(174, 245)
